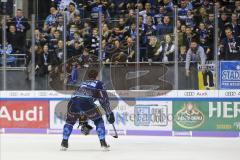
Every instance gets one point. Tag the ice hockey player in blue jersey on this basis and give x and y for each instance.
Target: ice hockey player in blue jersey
(82, 107)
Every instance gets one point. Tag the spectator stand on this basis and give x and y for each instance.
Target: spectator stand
(159, 33)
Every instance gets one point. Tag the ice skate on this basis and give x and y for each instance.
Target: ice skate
(64, 145)
(104, 145)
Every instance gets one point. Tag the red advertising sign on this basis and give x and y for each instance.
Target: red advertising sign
(24, 114)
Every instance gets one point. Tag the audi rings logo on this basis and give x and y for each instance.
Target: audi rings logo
(189, 93)
(230, 93)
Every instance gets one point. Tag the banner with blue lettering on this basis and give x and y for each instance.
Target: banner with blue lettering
(229, 75)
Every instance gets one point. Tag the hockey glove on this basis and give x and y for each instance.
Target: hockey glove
(111, 118)
(86, 128)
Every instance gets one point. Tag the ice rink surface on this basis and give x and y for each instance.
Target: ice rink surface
(47, 147)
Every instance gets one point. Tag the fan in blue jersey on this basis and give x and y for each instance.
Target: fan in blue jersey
(82, 107)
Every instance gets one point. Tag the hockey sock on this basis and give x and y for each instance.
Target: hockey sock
(100, 128)
(67, 130)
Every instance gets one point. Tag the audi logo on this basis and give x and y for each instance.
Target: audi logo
(189, 93)
(231, 93)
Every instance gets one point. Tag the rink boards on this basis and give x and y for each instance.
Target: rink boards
(160, 113)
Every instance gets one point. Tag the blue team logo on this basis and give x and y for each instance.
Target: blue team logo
(229, 75)
(142, 116)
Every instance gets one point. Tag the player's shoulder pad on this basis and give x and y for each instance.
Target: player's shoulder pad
(100, 84)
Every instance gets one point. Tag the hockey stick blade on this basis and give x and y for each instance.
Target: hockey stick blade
(115, 131)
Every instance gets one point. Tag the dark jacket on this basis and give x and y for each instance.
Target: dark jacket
(23, 21)
(15, 39)
(40, 59)
(230, 49)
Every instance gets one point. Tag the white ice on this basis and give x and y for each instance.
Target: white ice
(47, 147)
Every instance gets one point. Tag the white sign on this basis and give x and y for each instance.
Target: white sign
(144, 115)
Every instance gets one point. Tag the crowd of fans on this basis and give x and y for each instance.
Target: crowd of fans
(156, 26)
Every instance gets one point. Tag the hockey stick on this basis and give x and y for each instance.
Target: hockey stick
(115, 131)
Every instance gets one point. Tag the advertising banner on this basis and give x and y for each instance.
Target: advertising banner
(229, 75)
(206, 115)
(145, 115)
(24, 114)
(58, 112)
(142, 115)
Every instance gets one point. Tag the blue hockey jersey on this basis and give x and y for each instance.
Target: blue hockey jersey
(90, 91)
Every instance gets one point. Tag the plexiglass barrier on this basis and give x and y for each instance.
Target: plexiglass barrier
(135, 50)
